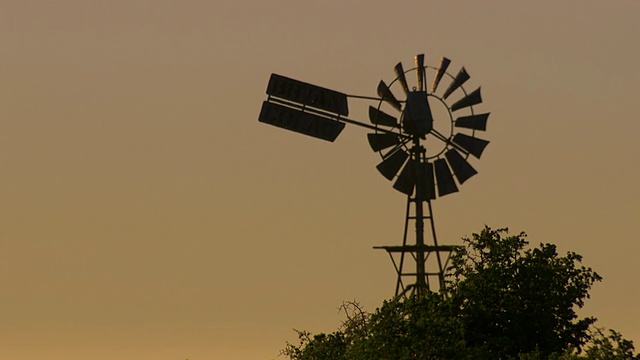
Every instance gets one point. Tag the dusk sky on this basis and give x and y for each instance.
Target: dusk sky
(145, 213)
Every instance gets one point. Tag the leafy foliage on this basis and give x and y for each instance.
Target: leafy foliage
(513, 300)
(502, 300)
(610, 347)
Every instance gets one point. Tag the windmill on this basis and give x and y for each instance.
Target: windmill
(425, 135)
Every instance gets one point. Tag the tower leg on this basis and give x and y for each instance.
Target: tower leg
(431, 259)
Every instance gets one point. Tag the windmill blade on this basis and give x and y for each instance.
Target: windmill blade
(475, 122)
(469, 100)
(425, 186)
(472, 145)
(400, 75)
(460, 79)
(442, 69)
(379, 117)
(382, 141)
(407, 179)
(460, 166)
(420, 71)
(389, 167)
(385, 93)
(446, 184)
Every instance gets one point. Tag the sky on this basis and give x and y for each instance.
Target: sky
(146, 213)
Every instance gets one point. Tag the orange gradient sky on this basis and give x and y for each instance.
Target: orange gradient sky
(145, 213)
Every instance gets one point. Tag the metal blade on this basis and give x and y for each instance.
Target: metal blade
(400, 75)
(420, 71)
(385, 93)
(382, 141)
(407, 179)
(389, 167)
(442, 69)
(469, 100)
(446, 184)
(425, 186)
(472, 145)
(460, 166)
(475, 122)
(379, 117)
(460, 79)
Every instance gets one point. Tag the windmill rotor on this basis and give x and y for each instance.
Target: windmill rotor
(446, 141)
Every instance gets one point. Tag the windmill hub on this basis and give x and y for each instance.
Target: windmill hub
(417, 119)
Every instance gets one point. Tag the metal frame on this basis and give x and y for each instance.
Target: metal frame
(419, 252)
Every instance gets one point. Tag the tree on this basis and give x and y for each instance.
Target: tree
(501, 300)
(514, 300)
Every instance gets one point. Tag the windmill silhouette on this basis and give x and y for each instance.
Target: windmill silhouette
(425, 156)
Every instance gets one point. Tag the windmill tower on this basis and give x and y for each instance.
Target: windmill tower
(424, 152)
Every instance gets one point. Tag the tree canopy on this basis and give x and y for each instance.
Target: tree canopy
(501, 300)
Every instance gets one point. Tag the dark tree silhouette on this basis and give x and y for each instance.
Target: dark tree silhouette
(502, 300)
